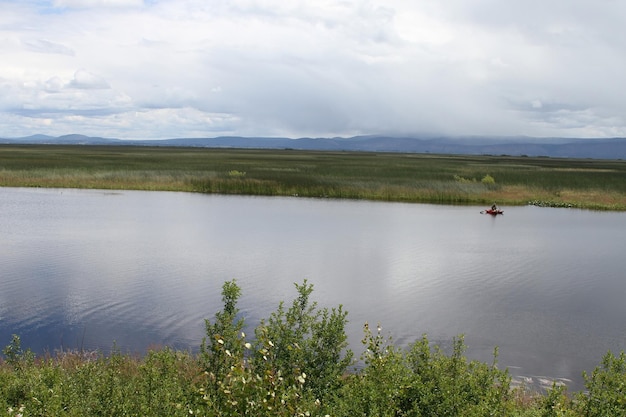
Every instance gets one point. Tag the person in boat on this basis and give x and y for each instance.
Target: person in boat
(494, 207)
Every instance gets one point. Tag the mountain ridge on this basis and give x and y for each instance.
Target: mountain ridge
(561, 147)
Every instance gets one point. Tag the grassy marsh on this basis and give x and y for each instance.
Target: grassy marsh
(424, 178)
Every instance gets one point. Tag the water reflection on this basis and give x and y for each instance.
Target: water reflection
(87, 268)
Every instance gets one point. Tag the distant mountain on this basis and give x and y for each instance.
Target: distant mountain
(614, 148)
(30, 139)
(62, 140)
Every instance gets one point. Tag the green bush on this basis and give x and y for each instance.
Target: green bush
(297, 365)
(452, 385)
(303, 340)
(16, 356)
(424, 382)
(606, 388)
(236, 174)
(376, 390)
(223, 346)
(297, 359)
(488, 180)
(556, 403)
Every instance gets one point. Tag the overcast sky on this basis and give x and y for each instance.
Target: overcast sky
(202, 68)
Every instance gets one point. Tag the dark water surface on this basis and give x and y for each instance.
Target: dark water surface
(85, 269)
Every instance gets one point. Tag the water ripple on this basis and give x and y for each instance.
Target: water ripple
(87, 269)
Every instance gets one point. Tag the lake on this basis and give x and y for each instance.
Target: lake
(84, 269)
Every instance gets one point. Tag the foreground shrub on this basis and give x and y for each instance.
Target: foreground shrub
(297, 359)
(80, 384)
(304, 342)
(423, 382)
(452, 385)
(297, 365)
(377, 389)
(556, 403)
(606, 388)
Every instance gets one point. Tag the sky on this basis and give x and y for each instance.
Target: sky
(153, 69)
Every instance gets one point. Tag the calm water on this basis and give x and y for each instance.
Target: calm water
(85, 269)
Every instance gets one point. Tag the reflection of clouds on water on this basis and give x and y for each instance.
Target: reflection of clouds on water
(145, 268)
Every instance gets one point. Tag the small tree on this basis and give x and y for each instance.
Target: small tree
(299, 356)
(16, 356)
(224, 344)
(304, 341)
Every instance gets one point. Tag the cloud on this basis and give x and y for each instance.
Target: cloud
(83, 4)
(161, 123)
(88, 81)
(48, 47)
(318, 68)
(53, 85)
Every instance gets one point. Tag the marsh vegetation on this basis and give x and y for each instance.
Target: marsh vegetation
(424, 178)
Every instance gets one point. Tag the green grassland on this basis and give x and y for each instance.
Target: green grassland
(424, 178)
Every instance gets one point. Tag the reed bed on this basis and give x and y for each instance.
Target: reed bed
(424, 178)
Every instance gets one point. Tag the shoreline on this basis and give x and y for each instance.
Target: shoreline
(413, 178)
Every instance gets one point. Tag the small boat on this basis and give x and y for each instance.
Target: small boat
(493, 212)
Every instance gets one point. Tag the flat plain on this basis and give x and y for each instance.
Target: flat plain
(407, 177)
